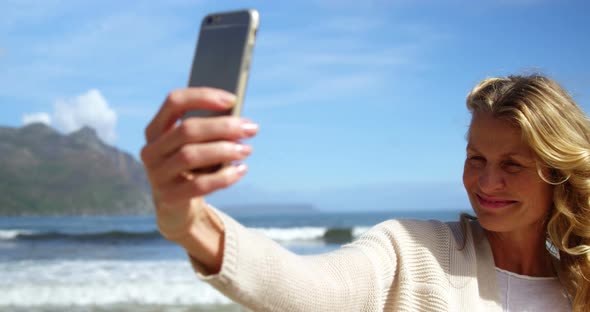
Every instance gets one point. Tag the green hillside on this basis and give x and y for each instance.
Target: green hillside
(43, 172)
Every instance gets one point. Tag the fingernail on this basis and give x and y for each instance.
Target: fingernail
(227, 99)
(243, 149)
(241, 169)
(249, 127)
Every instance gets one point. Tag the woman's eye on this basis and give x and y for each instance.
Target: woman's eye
(512, 167)
(476, 161)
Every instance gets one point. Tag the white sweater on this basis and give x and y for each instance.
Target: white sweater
(404, 265)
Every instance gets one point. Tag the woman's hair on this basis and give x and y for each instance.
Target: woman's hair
(558, 132)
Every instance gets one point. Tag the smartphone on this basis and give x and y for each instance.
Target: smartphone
(223, 54)
(222, 59)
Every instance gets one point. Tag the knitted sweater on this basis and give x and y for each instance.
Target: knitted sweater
(404, 265)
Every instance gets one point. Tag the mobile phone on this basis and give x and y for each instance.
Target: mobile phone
(223, 54)
(222, 59)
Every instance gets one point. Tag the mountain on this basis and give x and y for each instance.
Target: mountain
(44, 172)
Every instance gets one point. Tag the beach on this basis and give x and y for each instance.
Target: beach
(121, 263)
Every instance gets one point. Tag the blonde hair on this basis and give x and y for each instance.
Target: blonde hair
(558, 132)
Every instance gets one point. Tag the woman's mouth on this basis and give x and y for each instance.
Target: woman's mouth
(493, 203)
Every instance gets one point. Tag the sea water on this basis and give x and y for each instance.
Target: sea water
(121, 263)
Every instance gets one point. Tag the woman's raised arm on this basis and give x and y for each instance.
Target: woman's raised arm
(174, 149)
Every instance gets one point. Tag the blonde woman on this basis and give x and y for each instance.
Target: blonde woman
(527, 175)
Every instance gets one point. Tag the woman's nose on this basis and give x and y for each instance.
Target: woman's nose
(491, 180)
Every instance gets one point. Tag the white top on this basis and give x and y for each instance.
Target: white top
(528, 293)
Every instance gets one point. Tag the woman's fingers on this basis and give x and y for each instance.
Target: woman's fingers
(180, 101)
(193, 186)
(195, 156)
(176, 155)
(197, 130)
(180, 203)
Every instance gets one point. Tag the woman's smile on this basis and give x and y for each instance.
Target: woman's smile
(493, 202)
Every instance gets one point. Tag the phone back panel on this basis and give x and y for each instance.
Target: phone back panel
(223, 53)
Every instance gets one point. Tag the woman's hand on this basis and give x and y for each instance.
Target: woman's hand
(175, 150)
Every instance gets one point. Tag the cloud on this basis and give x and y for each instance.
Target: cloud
(323, 90)
(88, 109)
(36, 118)
(331, 63)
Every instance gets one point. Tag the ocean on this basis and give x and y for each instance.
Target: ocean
(121, 263)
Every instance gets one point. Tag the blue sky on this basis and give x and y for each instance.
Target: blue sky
(349, 95)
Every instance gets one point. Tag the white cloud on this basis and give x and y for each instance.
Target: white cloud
(88, 109)
(36, 118)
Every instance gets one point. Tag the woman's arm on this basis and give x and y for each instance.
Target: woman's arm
(246, 266)
(263, 276)
(172, 152)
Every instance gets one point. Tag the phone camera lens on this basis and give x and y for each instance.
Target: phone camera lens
(209, 20)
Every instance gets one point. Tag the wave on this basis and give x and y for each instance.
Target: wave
(328, 235)
(82, 237)
(12, 234)
(296, 234)
(81, 283)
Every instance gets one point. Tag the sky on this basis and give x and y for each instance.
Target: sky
(358, 98)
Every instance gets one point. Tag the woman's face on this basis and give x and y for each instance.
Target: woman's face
(500, 176)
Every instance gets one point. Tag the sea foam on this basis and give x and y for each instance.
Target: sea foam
(36, 283)
(12, 234)
(278, 234)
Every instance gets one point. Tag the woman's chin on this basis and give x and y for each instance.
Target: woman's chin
(492, 224)
(494, 221)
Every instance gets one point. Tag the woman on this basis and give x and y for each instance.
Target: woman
(527, 175)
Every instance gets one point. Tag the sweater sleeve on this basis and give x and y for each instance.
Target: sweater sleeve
(263, 276)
